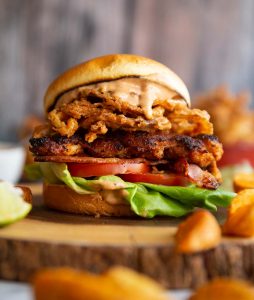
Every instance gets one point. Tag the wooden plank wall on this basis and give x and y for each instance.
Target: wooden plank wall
(206, 42)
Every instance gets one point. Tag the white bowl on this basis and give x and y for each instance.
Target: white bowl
(12, 159)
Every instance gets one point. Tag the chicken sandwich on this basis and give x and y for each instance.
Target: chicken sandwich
(121, 138)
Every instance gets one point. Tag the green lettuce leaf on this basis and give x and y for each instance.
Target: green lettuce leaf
(197, 197)
(38, 170)
(146, 200)
(33, 171)
(148, 203)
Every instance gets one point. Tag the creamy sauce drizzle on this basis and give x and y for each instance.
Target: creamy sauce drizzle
(111, 185)
(140, 92)
(112, 192)
(114, 197)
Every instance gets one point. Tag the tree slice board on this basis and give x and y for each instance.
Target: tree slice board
(48, 238)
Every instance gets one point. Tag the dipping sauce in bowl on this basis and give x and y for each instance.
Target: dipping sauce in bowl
(12, 158)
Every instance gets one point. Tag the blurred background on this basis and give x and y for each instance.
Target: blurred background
(206, 42)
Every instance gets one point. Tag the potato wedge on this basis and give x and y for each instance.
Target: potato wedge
(243, 181)
(116, 284)
(240, 219)
(198, 232)
(135, 284)
(241, 223)
(243, 198)
(224, 289)
(72, 285)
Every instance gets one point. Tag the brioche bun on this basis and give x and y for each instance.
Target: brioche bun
(111, 67)
(61, 197)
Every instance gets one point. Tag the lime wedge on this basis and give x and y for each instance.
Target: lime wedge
(12, 205)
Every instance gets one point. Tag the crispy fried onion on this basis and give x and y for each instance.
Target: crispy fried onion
(63, 124)
(41, 131)
(98, 113)
(190, 121)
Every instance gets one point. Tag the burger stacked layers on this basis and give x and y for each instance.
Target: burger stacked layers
(128, 116)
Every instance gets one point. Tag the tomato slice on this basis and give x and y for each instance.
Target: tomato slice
(162, 179)
(101, 169)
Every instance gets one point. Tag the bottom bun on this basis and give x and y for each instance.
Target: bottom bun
(61, 197)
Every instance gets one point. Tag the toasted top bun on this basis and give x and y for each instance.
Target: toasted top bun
(111, 67)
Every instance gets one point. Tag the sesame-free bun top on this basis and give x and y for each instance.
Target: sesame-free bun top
(111, 67)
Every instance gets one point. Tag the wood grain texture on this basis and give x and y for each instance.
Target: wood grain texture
(206, 42)
(52, 239)
(40, 39)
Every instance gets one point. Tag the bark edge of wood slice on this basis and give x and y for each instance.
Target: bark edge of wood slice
(19, 259)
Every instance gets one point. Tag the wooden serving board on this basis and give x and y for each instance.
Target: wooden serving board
(51, 239)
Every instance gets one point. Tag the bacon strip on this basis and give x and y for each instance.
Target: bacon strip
(201, 178)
